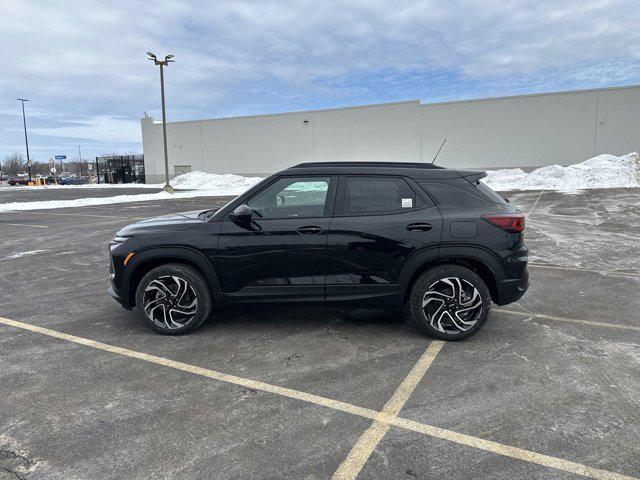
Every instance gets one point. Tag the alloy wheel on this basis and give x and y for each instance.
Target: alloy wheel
(170, 302)
(452, 305)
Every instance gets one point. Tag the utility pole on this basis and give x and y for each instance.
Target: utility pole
(79, 161)
(26, 140)
(162, 64)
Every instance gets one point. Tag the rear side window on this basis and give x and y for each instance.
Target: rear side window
(450, 197)
(490, 194)
(377, 195)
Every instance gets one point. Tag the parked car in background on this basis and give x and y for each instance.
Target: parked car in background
(434, 243)
(72, 180)
(18, 181)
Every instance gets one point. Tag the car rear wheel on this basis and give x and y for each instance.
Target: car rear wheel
(449, 302)
(173, 299)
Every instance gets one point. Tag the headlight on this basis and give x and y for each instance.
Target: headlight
(118, 239)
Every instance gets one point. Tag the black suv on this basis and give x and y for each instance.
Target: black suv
(432, 242)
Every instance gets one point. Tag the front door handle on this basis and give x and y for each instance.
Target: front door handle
(420, 227)
(310, 230)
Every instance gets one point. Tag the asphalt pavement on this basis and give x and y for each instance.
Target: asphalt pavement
(549, 388)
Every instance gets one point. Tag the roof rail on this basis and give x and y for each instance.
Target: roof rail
(367, 164)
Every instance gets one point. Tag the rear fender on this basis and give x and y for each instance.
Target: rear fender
(457, 254)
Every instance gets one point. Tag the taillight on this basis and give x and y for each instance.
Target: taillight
(509, 222)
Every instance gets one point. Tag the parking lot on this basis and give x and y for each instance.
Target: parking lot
(549, 388)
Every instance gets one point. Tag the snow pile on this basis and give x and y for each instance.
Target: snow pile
(89, 202)
(603, 171)
(215, 184)
(189, 185)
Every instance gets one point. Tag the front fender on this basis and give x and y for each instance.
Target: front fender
(167, 255)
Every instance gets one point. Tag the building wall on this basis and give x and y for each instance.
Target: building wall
(522, 131)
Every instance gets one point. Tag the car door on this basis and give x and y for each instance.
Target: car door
(279, 255)
(379, 223)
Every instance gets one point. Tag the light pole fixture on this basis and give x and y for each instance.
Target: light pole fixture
(163, 63)
(79, 169)
(26, 141)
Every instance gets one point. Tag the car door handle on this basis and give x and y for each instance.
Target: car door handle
(309, 230)
(420, 227)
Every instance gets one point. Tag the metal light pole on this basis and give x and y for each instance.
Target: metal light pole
(79, 161)
(162, 64)
(26, 141)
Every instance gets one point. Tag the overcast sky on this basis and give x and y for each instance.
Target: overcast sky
(82, 64)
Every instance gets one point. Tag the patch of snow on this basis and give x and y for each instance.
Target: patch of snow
(88, 202)
(603, 171)
(24, 188)
(22, 254)
(225, 184)
(199, 184)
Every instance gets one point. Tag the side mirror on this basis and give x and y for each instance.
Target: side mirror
(242, 213)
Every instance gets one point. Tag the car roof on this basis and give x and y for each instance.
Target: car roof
(407, 169)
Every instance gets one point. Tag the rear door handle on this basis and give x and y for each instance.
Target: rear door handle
(310, 230)
(420, 227)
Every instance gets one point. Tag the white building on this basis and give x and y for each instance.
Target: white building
(523, 131)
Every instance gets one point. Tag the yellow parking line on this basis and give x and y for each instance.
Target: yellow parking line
(205, 372)
(383, 419)
(366, 444)
(509, 451)
(568, 320)
(535, 204)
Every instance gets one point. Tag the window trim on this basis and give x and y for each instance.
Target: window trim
(328, 204)
(342, 186)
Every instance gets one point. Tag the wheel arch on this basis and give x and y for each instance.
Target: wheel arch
(477, 260)
(146, 260)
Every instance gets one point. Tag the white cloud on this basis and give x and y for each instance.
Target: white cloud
(84, 61)
(101, 128)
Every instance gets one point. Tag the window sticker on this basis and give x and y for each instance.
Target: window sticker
(407, 203)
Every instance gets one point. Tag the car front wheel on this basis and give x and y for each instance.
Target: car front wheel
(449, 302)
(173, 299)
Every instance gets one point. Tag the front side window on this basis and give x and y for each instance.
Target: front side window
(377, 195)
(292, 197)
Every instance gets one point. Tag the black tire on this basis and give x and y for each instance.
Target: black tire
(445, 316)
(169, 280)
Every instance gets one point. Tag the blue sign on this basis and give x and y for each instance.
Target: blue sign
(61, 157)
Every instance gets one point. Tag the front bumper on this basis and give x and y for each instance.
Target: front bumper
(511, 290)
(121, 299)
(119, 287)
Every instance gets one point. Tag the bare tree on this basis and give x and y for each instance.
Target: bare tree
(13, 164)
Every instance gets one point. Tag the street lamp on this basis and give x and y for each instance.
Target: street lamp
(26, 141)
(79, 169)
(162, 64)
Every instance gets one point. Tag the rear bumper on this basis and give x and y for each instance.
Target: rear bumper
(511, 290)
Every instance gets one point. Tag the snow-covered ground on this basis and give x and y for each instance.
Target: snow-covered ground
(21, 254)
(603, 171)
(222, 183)
(189, 185)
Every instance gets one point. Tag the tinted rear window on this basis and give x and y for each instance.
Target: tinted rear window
(377, 195)
(450, 197)
(490, 194)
